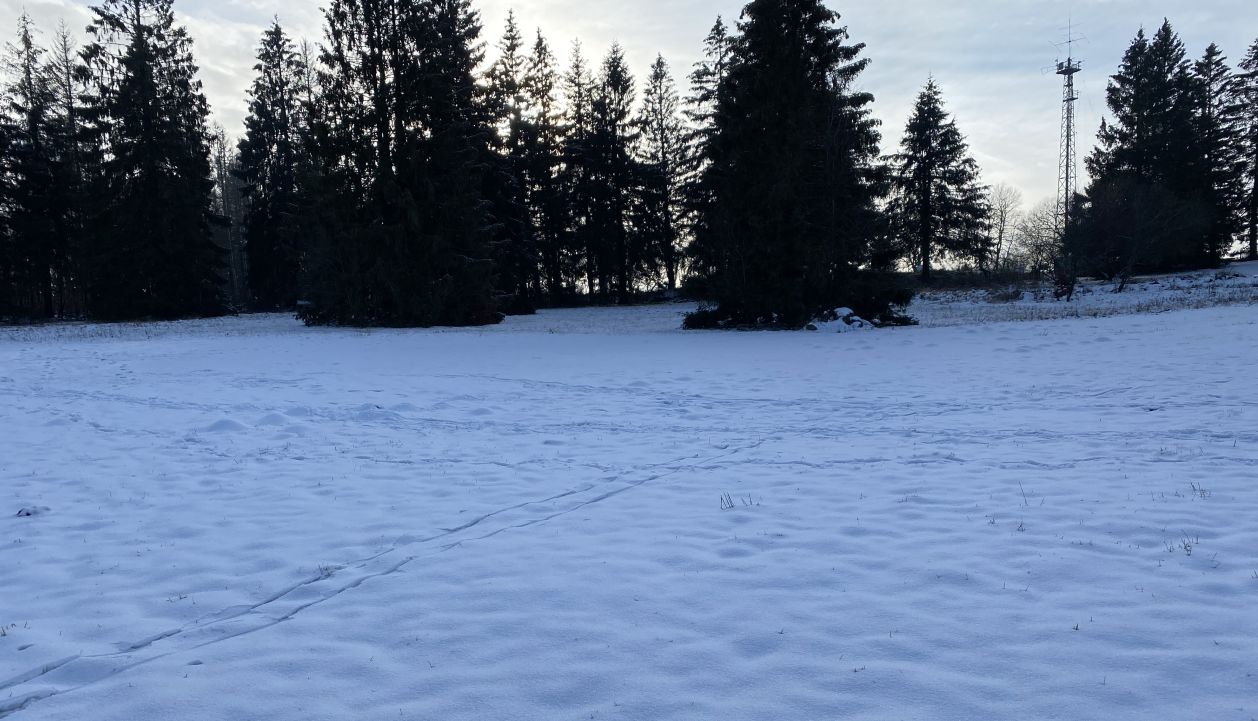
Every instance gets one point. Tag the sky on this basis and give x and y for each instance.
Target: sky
(993, 58)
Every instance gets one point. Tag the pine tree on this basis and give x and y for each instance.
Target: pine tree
(662, 164)
(506, 82)
(153, 255)
(44, 202)
(705, 83)
(792, 227)
(32, 181)
(576, 176)
(271, 162)
(1245, 110)
(516, 250)
(615, 174)
(939, 206)
(68, 203)
(1152, 162)
(7, 256)
(1216, 130)
(700, 111)
(542, 159)
(401, 141)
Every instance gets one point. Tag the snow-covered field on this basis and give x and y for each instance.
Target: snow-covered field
(589, 514)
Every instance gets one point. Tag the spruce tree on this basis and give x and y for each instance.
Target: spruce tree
(153, 255)
(615, 173)
(271, 161)
(68, 204)
(662, 152)
(940, 206)
(515, 244)
(45, 202)
(453, 204)
(32, 178)
(1216, 134)
(506, 80)
(1245, 109)
(576, 176)
(1151, 161)
(792, 226)
(542, 160)
(701, 106)
(7, 290)
(401, 140)
(705, 83)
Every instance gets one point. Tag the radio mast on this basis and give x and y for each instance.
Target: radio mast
(1067, 173)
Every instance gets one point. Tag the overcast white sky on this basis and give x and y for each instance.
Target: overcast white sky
(990, 56)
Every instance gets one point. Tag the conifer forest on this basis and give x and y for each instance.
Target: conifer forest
(403, 170)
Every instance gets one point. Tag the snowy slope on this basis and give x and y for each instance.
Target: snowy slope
(245, 519)
(1237, 284)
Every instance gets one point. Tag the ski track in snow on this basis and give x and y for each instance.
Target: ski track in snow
(76, 672)
(245, 519)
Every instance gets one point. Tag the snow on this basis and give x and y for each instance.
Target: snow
(590, 514)
(1237, 284)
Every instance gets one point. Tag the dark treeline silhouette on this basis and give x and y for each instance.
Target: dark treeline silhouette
(389, 176)
(1174, 178)
(789, 226)
(107, 178)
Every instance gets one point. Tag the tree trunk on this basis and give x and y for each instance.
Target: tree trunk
(925, 214)
(1253, 214)
(926, 277)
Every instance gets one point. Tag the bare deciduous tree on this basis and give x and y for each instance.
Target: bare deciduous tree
(1034, 241)
(1006, 203)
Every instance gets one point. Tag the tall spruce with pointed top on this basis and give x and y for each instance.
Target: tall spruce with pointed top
(701, 105)
(1150, 204)
(576, 175)
(1216, 132)
(662, 158)
(68, 204)
(615, 174)
(401, 142)
(1245, 109)
(515, 242)
(792, 226)
(271, 162)
(705, 84)
(44, 203)
(541, 163)
(939, 207)
(32, 179)
(153, 255)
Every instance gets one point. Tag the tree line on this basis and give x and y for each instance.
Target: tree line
(391, 176)
(1175, 172)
